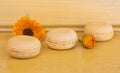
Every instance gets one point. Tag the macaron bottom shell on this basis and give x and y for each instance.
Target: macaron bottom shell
(102, 36)
(24, 54)
(61, 46)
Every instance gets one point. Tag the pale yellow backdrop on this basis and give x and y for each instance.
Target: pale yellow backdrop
(60, 11)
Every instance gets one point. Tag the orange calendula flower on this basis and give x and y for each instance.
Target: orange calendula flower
(26, 26)
(88, 41)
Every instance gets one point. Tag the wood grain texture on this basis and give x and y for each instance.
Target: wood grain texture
(60, 12)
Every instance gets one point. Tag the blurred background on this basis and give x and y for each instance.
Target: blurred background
(60, 12)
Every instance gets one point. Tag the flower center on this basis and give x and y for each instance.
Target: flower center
(28, 31)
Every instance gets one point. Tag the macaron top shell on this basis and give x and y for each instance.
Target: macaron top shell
(100, 27)
(23, 43)
(61, 34)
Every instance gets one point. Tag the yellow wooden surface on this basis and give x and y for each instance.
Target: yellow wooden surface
(104, 58)
(60, 12)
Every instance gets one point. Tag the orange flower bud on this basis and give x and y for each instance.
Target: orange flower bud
(88, 41)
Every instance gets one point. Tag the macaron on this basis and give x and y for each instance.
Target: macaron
(61, 38)
(23, 46)
(102, 31)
